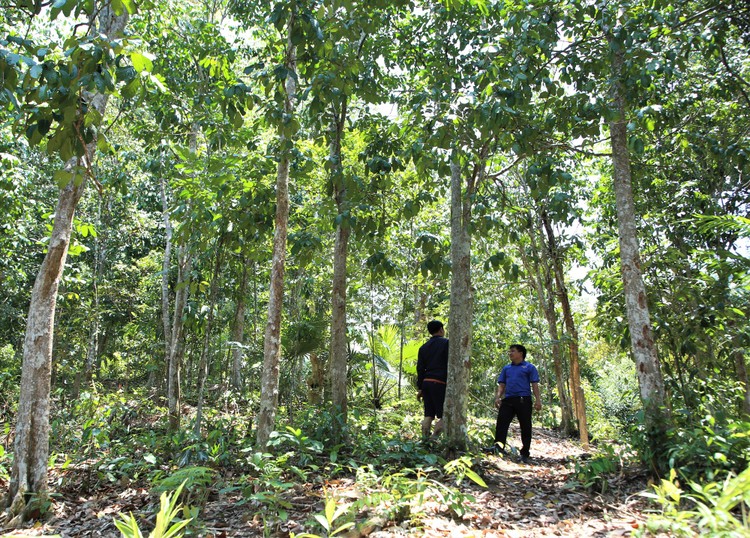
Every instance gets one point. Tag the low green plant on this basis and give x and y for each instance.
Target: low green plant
(594, 474)
(168, 524)
(266, 484)
(195, 481)
(712, 509)
(305, 449)
(461, 468)
(4, 464)
(330, 518)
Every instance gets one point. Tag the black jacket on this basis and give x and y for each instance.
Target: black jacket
(432, 360)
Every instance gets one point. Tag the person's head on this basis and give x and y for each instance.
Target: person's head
(517, 353)
(434, 327)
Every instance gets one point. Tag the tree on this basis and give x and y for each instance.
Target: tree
(28, 490)
(286, 96)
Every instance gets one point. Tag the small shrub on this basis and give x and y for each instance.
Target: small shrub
(195, 481)
(712, 509)
(595, 473)
(167, 523)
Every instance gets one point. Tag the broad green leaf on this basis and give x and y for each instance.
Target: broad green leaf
(141, 62)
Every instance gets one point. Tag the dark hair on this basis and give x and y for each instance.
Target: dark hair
(434, 326)
(520, 348)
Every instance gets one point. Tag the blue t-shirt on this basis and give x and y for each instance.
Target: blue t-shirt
(518, 379)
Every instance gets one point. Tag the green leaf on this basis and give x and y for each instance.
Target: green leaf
(472, 475)
(141, 62)
(323, 521)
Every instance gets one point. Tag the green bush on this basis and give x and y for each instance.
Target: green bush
(712, 509)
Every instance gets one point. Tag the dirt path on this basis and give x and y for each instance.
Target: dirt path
(521, 500)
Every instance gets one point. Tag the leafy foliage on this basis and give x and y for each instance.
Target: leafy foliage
(168, 524)
(718, 509)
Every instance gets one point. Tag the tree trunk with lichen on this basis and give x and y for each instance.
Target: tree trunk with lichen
(648, 368)
(269, 384)
(461, 314)
(339, 345)
(28, 491)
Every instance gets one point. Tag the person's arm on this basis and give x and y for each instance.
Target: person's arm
(499, 392)
(537, 396)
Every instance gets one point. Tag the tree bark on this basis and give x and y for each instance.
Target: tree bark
(166, 263)
(28, 490)
(579, 400)
(461, 313)
(31, 447)
(174, 359)
(739, 366)
(269, 390)
(315, 380)
(546, 297)
(338, 366)
(205, 360)
(238, 329)
(636, 301)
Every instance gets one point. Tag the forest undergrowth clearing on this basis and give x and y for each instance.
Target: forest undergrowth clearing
(542, 498)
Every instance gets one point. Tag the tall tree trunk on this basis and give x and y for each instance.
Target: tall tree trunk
(176, 347)
(461, 312)
(579, 400)
(166, 318)
(739, 367)
(546, 297)
(636, 301)
(338, 367)
(269, 389)
(238, 329)
(315, 380)
(28, 483)
(28, 489)
(205, 361)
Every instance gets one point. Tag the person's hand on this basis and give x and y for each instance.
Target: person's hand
(419, 395)
(538, 405)
(498, 402)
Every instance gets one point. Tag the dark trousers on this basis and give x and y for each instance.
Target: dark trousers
(518, 406)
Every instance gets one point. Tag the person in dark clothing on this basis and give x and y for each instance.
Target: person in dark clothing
(515, 384)
(432, 374)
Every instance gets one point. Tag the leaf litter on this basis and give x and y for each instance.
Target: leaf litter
(538, 499)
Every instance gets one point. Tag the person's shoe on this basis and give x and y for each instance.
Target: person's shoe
(525, 459)
(494, 449)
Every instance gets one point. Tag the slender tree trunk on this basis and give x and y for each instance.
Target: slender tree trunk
(461, 313)
(315, 380)
(238, 330)
(269, 390)
(739, 366)
(338, 366)
(166, 318)
(31, 447)
(641, 335)
(86, 375)
(205, 360)
(176, 347)
(546, 297)
(28, 490)
(575, 372)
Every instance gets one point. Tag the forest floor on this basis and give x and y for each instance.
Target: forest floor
(540, 498)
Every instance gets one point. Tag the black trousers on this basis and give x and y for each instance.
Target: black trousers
(516, 406)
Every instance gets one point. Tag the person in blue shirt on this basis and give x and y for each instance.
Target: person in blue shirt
(515, 385)
(432, 375)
